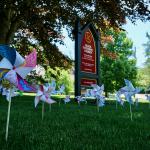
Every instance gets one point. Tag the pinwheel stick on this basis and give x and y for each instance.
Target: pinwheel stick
(8, 114)
(116, 105)
(50, 107)
(131, 112)
(59, 101)
(97, 106)
(42, 110)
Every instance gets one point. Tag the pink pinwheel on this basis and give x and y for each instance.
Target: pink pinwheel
(43, 95)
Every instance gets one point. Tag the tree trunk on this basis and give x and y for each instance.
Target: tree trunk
(8, 26)
(106, 94)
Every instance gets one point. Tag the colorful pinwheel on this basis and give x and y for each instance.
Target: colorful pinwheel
(14, 68)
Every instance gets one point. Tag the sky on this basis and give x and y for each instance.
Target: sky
(137, 33)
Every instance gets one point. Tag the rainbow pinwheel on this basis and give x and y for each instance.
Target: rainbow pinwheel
(43, 95)
(14, 68)
(67, 99)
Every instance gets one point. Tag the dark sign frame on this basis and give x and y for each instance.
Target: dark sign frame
(79, 74)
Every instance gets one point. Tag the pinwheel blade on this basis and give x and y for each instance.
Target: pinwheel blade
(24, 86)
(3, 72)
(8, 52)
(129, 85)
(26, 65)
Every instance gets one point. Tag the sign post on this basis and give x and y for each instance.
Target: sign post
(87, 57)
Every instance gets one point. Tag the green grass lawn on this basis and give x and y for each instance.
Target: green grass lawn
(68, 127)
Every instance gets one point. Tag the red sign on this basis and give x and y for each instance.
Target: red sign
(88, 53)
(88, 82)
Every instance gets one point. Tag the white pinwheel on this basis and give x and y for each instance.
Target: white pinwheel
(43, 95)
(129, 91)
(6, 92)
(147, 97)
(61, 89)
(118, 99)
(80, 99)
(98, 89)
(100, 100)
(67, 99)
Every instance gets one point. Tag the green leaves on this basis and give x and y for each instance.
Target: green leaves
(113, 72)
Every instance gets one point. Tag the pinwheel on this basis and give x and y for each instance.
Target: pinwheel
(80, 99)
(1, 87)
(67, 99)
(97, 92)
(129, 91)
(43, 95)
(136, 102)
(61, 89)
(98, 89)
(148, 98)
(14, 68)
(118, 99)
(52, 86)
(6, 92)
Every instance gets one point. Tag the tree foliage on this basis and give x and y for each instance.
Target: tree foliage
(42, 20)
(113, 72)
(143, 78)
(146, 70)
(147, 51)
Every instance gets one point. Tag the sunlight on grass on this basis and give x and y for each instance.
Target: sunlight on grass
(72, 127)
